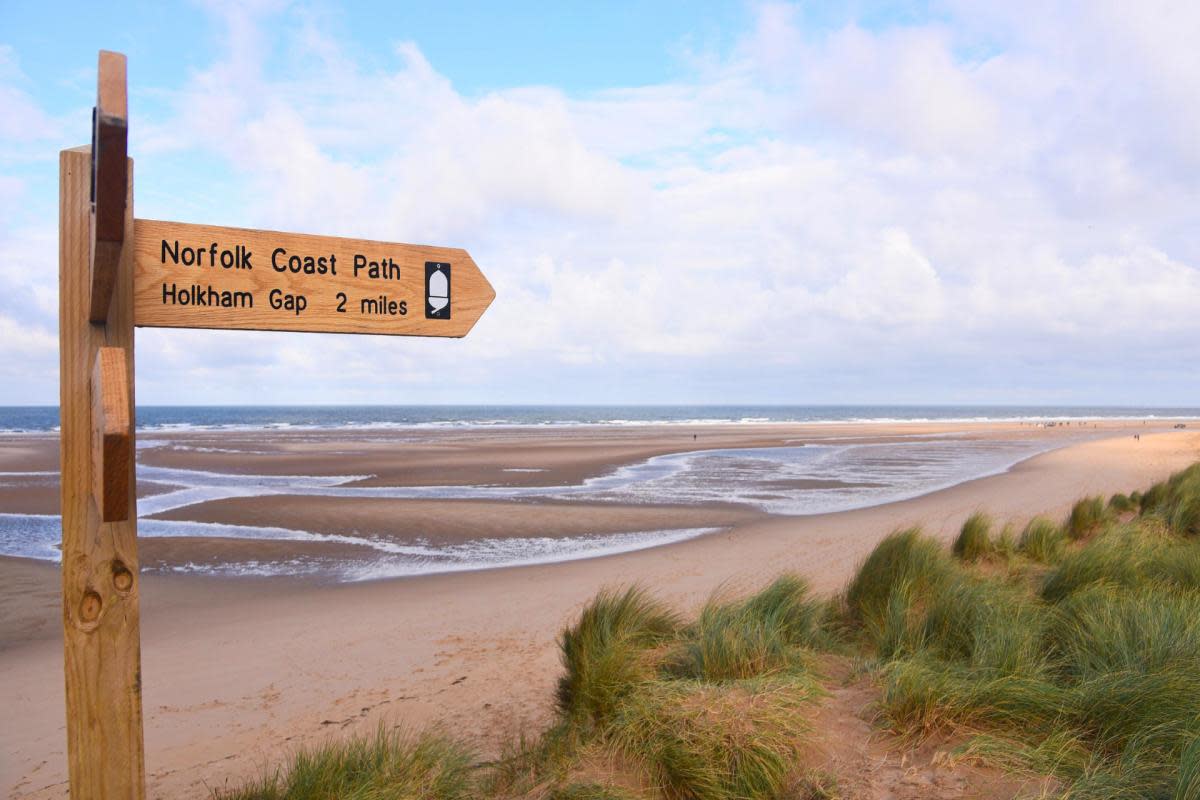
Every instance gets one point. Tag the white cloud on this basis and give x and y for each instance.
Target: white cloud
(23, 120)
(890, 284)
(1007, 182)
(28, 360)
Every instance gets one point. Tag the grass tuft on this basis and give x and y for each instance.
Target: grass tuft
(987, 624)
(386, 766)
(1107, 629)
(1122, 503)
(974, 540)
(1178, 566)
(716, 743)
(923, 694)
(1152, 499)
(603, 654)
(1128, 556)
(1177, 501)
(1042, 541)
(1187, 787)
(1185, 512)
(750, 638)
(1087, 516)
(1118, 558)
(1006, 543)
(905, 562)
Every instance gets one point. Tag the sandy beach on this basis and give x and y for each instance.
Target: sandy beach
(239, 672)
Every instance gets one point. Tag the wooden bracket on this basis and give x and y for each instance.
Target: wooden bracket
(112, 435)
(110, 173)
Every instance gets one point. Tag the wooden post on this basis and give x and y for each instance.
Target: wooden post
(101, 632)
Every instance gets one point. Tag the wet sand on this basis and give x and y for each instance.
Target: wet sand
(237, 673)
(40, 494)
(454, 521)
(560, 456)
(514, 457)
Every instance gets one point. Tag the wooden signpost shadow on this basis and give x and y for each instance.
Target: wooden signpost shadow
(116, 273)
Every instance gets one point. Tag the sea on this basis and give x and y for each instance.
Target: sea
(33, 419)
(802, 479)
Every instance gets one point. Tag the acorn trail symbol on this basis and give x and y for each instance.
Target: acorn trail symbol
(437, 290)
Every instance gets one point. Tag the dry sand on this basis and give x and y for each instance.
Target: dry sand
(237, 673)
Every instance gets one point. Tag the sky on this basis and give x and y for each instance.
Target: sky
(677, 202)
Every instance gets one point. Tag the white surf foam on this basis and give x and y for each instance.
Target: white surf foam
(37, 536)
(793, 480)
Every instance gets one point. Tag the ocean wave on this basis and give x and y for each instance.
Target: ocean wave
(182, 421)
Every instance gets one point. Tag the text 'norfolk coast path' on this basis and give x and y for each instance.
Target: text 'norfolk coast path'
(201, 276)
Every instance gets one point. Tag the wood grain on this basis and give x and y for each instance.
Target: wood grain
(111, 86)
(102, 648)
(110, 143)
(112, 435)
(160, 282)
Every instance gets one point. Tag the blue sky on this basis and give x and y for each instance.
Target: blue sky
(574, 46)
(955, 202)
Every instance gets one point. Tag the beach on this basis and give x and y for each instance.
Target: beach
(240, 671)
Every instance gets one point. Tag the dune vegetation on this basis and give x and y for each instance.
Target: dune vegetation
(1069, 654)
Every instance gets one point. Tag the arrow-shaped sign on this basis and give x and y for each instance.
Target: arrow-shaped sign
(200, 276)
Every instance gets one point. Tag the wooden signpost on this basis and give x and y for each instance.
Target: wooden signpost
(116, 273)
(198, 276)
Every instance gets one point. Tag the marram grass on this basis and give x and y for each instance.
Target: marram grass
(1127, 555)
(922, 694)
(1087, 516)
(1121, 503)
(1042, 541)
(1187, 784)
(905, 562)
(604, 653)
(762, 635)
(1105, 629)
(1088, 667)
(591, 791)
(1176, 501)
(1005, 544)
(704, 742)
(388, 765)
(974, 540)
(986, 624)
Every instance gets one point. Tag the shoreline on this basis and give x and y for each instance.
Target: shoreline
(371, 513)
(238, 672)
